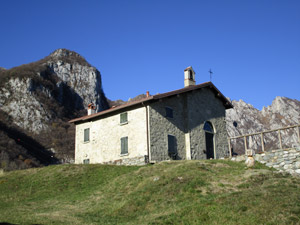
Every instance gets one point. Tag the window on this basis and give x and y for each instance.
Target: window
(208, 127)
(172, 148)
(191, 75)
(169, 112)
(86, 161)
(124, 145)
(87, 135)
(209, 140)
(123, 118)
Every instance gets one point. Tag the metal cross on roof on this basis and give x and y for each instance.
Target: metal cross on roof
(210, 74)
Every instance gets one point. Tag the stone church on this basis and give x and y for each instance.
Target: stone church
(187, 123)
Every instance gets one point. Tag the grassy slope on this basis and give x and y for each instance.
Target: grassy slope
(178, 192)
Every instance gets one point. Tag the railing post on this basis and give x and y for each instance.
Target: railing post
(279, 137)
(297, 127)
(262, 141)
(245, 143)
(229, 146)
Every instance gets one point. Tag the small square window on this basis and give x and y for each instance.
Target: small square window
(86, 134)
(169, 112)
(123, 118)
(86, 161)
(124, 145)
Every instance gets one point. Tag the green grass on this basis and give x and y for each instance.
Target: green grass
(176, 192)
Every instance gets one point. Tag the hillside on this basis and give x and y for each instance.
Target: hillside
(37, 100)
(18, 150)
(176, 192)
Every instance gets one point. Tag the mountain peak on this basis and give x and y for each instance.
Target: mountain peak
(245, 119)
(68, 56)
(62, 52)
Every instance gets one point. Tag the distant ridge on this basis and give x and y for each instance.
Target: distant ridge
(245, 119)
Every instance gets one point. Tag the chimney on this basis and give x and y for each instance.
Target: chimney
(189, 77)
(91, 109)
(147, 94)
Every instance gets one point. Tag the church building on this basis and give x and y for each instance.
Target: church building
(187, 123)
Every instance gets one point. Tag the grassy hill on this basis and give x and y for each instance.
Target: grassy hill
(176, 192)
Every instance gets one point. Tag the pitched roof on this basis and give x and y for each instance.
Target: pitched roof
(226, 103)
(188, 68)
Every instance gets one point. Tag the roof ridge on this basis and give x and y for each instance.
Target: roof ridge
(112, 109)
(155, 97)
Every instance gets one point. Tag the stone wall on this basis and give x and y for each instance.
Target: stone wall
(284, 160)
(190, 111)
(161, 126)
(135, 161)
(205, 106)
(287, 160)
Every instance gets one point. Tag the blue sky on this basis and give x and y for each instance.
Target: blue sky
(252, 46)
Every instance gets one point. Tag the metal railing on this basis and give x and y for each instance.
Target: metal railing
(296, 127)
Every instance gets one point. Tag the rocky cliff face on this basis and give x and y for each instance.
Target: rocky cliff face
(84, 79)
(40, 98)
(62, 84)
(245, 119)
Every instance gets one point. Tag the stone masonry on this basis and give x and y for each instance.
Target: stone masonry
(191, 110)
(159, 127)
(284, 160)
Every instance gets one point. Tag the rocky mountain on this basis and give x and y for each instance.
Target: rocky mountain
(38, 99)
(41, 97)
(64, 79)
(245, 119)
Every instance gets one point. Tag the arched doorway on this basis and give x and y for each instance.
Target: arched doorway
(209, 140)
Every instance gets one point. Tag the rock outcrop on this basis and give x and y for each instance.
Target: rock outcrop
(84, 79)
(40, 98)
(245, 119)
(34, 93)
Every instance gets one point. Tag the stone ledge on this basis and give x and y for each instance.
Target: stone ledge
(285, 160)
(136, 161)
